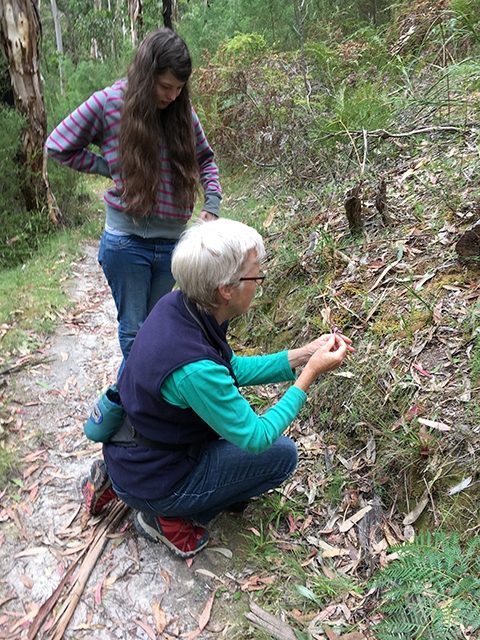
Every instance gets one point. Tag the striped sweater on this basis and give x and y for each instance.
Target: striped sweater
(97, 122)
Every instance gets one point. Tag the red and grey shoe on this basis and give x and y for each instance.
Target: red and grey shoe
(97, 488)
(178, 534)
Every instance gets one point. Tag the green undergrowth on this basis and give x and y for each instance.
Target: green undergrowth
(34, 297)
(432, 592)
(40, 287)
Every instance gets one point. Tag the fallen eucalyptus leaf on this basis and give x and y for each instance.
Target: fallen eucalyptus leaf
(222, 550)
(441, 426)
(411, 517)
(464, 484)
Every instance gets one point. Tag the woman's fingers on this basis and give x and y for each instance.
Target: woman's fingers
(329, 356)
(346, 341)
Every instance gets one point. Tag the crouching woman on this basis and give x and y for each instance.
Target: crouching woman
(194, 445)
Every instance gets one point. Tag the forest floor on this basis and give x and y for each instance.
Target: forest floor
(112, 582)
(369, 475)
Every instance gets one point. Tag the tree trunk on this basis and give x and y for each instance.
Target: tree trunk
(135, 13)
(94, 50)
(169, 12)
(300, 12)
(113, 43)
(19, 39)
(59, 41)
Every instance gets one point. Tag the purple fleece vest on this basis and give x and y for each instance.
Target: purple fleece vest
(173, 335)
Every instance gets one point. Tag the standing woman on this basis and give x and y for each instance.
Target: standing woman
(154, 149)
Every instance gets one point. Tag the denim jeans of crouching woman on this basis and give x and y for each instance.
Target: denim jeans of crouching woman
(138, 272)
(224, 475)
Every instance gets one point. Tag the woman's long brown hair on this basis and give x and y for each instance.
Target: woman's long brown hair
(142, 124)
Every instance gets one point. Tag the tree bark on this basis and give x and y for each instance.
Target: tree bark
(381, 202)
(94, 50)
(59, 41)
(20, 35)
(135, 8)
(468, 246)
(353, 209)
(169, 12)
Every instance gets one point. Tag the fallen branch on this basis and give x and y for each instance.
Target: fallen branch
(49, 604)
(383, 133)
(277, 628)
(98, 543)
(26, 362)
(373, 310)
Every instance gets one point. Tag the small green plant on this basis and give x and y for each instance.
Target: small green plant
(243, 49)
(432, 591)
(321, 588)
(279, 511)
(335, 487)
(475, 363)
(7, 461)
(260, 538)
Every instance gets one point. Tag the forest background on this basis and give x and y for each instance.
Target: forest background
(347, 133)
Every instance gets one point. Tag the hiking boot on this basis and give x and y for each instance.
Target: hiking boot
(178, 534)
(97, 488)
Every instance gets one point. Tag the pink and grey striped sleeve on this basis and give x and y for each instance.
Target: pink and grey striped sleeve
(209, 175)
(68, 143)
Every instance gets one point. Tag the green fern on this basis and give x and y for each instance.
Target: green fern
(432, 591)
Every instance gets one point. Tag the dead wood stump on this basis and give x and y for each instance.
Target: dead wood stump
(468, 245)
(353, 209)
(381, 202)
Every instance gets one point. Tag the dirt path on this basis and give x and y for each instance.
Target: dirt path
(136, 588)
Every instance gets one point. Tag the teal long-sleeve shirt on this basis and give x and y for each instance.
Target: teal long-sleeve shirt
(208, 389)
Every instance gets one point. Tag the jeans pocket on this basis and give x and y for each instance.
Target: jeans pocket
(111, 244)
(115, 242)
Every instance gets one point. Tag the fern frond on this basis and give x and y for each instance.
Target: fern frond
(432, 591)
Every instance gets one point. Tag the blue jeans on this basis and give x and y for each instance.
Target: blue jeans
(224, 475)
(138, 271)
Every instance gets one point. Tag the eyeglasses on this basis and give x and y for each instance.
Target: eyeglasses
(258, 279)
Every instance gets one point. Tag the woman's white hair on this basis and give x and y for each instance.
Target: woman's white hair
(210, 254)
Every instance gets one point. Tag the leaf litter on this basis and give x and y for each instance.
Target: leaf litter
(406, 287)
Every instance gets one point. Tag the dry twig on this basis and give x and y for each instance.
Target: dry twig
(271, 624)
(111, 520)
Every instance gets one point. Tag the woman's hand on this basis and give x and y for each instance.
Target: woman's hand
(330, 351)
(207, 216)
(297, 357)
